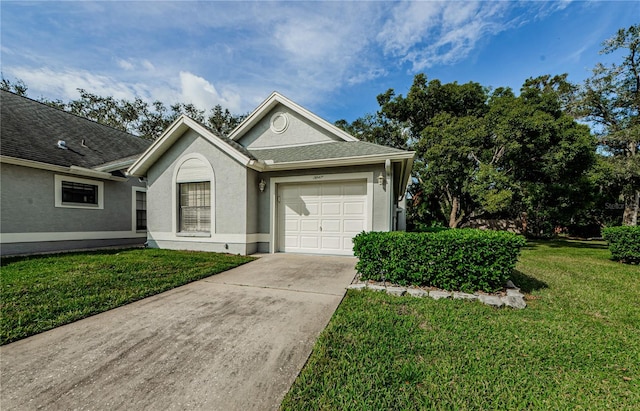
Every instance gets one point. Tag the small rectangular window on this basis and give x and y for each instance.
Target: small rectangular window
(141, 210)
(79, 193)
(195, 207)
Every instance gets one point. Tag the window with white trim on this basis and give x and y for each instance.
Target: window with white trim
(141, 211)
(79, 193)
(195, 207)
(74, 192)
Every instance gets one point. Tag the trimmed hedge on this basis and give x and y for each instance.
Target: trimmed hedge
(624, 242)
(456, 259)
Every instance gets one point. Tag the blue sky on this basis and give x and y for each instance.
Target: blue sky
(333, 58)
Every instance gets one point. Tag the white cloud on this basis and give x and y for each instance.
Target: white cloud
(125, 64)
(198, 91)
(64, 83)
(428, 33)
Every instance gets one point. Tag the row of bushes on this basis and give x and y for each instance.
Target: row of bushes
(460, 259)
(624, 243)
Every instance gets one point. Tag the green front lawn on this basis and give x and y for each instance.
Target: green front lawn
(43, 292)
(576, 345)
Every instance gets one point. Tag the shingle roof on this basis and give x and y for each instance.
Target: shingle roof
(325, 151)
(236, 146)
(30, 130)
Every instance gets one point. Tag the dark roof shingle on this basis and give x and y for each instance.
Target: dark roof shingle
(30, 130)
(324, 151)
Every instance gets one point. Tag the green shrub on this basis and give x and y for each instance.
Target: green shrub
(457, 259)
(624, 243)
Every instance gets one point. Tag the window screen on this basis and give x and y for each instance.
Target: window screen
(195, 207)
(79, 193)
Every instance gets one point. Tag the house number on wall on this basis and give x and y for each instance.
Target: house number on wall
(318, 177)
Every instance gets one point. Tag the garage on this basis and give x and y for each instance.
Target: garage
(321, 218)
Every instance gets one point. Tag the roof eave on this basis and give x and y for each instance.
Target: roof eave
(115, 165)
(276, 98)
(76, 170)
(171, 135)
(336, 162)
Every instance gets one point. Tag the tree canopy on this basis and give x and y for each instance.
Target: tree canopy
(135, 116)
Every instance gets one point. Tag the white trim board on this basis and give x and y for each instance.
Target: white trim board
(75, 170)
(213, 238)
(8, 238)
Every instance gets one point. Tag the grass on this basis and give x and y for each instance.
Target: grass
(39, 293)
(576, 345)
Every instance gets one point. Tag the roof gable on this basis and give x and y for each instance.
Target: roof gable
(177, 130)
(31, 131)
(279, 122)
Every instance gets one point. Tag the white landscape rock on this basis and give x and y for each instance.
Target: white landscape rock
(464, 296)
(514, 301)
(376, 287)
(436, 295)
(396, 290)
(492, 300)
(417, 292)
(357, 286)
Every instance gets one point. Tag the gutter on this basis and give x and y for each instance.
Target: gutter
(75, 170)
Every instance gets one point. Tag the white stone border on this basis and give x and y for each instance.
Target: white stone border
(513, 298)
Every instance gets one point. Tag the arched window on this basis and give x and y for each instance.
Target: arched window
(194, 189)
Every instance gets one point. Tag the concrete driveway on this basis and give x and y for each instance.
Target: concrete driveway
(233, 341)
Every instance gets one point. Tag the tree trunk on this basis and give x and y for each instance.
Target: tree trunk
(631, 205)
(455, 206)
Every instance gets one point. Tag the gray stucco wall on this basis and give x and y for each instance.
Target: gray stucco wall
(230, 197)
(253, 201)
(299, 131)
(27, 205)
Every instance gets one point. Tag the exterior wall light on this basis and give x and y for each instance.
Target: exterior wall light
(381, 179)
(262, 185)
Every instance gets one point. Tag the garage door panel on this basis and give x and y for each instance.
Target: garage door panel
(331, 190)
(292, 225)
(292, 241)
(347, 243)
(354, 208)
(322, 217)
(354, 189)
(332, 243)
(309, 191)
(331, 208)
(310, 225)
(311, 209)
(292, 209)
(289, 193)
(331, 226)
(312, 242)
(353, 226)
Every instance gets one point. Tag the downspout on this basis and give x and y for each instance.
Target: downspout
(390, 195)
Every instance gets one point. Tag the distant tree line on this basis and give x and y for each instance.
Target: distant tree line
(138, 117)
(557, 156)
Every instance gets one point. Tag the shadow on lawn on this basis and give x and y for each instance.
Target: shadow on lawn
(565, 243)
(527, 283)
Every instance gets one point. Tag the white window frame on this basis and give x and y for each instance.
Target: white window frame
(58, 179)
(134, 209)
(175, 206)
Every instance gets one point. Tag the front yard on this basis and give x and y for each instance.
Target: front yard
(43, 292)
(576, 345)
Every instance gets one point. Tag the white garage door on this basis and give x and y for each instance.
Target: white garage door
(321, 218)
